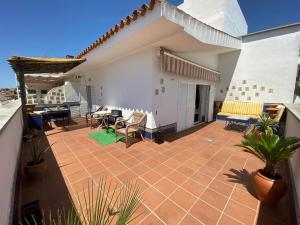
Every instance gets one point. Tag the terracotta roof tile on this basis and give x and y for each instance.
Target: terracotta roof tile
(125, 22)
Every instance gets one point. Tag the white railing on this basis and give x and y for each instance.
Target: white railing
(11, 130)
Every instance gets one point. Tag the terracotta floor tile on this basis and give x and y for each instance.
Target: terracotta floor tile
(205, 213)
(72, 167)
(74, 177)
(127, 176)
(82, 185)
(166, 187)
(189, 220)
(214, 164)
(214, 199)
(245, 198)
(240, 212)
(102, 175)
(117, 169)
(201, 178)
(151, 177)
(140, 214)
(93, 170)
(194, 187)
(221, 187)
(177, 178)
(226, 220)
(110, 162)
(209, 171)
(188, 172)
(169, 213)
(151, 220)
(140, 169)
(183, 198)
(141, 184)
(163, 170)
(131, 162)
(152, 198)
(152, 163)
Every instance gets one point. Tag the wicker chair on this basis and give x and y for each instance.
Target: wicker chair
(89, 115)
(137, 120)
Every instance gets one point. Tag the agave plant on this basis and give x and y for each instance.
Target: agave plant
(297, 89)
(37, 153)
(102, 206)
(271, 149)
(265, 124)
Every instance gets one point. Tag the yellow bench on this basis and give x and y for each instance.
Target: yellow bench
(252, 109)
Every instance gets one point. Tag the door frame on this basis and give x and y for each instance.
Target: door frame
(188, 82)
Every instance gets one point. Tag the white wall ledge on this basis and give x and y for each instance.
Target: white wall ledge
(7, 112)
(294, 109)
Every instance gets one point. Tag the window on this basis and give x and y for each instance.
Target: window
(44, 92)
(31, 91)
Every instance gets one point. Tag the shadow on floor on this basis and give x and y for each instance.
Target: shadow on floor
(74, 124)
(268, 214)
(51, 191)
(170, 137)
(241, 177)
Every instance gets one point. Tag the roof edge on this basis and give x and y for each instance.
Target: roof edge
(137, 13)
(272, 29)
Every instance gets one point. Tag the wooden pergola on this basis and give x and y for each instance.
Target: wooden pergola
(32, 65)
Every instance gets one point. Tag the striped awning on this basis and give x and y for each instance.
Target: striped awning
(174, 64)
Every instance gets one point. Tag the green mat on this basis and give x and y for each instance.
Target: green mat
(105, 137)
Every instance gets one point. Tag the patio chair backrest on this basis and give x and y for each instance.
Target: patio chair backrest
(102, 108)
(138, 117)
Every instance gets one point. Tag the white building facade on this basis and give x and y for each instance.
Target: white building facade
(124, 67)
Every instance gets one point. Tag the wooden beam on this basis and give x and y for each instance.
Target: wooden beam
(21, 79)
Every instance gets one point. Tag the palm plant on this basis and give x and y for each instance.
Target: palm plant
(271, 149)
(102, 206)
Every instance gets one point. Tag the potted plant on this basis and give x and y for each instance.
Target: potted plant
(265, 123)
(37, 166)
(271, 149)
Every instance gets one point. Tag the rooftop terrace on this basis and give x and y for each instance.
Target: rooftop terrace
(197, 177)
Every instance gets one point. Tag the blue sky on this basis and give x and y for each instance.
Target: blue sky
(55, 28)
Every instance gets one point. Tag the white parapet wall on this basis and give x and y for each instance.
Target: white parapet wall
(293, 130)
(11, 130)
(224, 15)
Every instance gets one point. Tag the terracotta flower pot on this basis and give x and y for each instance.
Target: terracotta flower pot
(268, 190)
(35, 171)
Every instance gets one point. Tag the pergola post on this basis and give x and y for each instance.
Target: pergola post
(20, 75)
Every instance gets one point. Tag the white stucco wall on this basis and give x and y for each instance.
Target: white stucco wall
(124, 84)
(129, 84)
(166, 104)
(10, 142)
(264, 70)
(224, 15)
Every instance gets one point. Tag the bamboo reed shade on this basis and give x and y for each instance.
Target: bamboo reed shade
(31, 65)
(182, 67)
(44, 79)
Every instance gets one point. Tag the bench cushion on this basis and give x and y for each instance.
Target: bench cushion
(252, 109)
